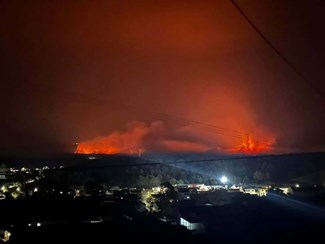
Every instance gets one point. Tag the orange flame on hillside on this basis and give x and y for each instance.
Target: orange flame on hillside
(118, 142)
(99, 148)
(251, 145)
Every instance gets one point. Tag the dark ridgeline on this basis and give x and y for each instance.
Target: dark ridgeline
(151, 170)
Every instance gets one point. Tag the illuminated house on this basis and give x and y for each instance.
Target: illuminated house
(259, 191)
(191, 222)
(287, 190)
(3, 176)
(4, 172)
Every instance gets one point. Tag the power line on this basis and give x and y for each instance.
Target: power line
(152, 163)
(154, 114)
(269, 43)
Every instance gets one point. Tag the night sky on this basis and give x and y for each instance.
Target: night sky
(71, 71)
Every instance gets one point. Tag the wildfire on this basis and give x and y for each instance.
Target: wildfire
(85, 148)
(139, 137)
(251, 145)
(100, 147)
(128, 141)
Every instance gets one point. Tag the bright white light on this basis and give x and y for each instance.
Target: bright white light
(297, 185)
(61, 192)
(29, 224)
(35, 189)
(38, 224)
(224, 179)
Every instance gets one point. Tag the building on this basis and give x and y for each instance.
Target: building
(192, 222)
(287, 190)
(4, 172)
(258, 191)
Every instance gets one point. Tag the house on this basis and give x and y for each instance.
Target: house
(191, 222)
(259, 191)
(287, 190)
(4, 172)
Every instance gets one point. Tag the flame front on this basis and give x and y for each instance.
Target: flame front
(94, 148)
(254, 145)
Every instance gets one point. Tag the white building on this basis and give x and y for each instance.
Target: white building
(258, 191)
(192, 224)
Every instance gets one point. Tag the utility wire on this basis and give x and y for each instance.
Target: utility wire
(269, 43)
(152, 163)
(108, 103)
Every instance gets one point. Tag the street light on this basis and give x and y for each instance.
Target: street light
(224, 179)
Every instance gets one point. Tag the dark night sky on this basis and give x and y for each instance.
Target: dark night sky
(65, 66)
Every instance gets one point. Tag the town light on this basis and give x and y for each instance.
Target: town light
(38, 224)
(224, 179)
(297, 185)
